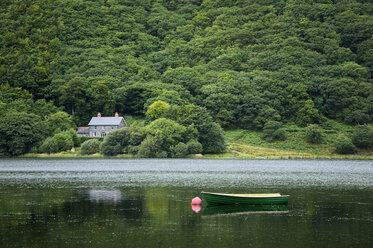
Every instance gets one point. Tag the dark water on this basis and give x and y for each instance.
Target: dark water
(146, 203)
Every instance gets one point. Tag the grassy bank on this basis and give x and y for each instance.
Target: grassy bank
(248, 144)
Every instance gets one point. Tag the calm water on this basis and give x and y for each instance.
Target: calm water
(146, 203)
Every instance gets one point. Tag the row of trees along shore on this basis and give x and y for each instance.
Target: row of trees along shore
(252, 64)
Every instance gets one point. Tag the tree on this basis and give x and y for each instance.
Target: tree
(59, 121)
(194, 147)
(210, 134)
(308, 114)
(272, 131)
(165, 133)
(49, 146)
(115, 142)
(102, 98)
(63, 141)
(265, 115)
(157, 109)
(211, 137)
(343, 145)
(362, 136)
(73, 96)
(19, 132)
(90, 146)
(179, 151)
(313, 134)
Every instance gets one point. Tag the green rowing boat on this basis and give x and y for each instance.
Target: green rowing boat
(256, 199)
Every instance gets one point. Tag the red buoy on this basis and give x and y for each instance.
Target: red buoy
(196, 201)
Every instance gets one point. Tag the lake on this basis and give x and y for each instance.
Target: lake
(146, 203)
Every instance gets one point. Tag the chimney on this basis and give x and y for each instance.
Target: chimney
(116, 114)
(98, 114)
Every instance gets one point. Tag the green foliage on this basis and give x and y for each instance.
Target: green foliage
(194, 147)
(160, 136)
(344, 145)
(19, 132)
(362, 136)
(179, 151)
(74, 136)
(49, 146)
(307, 115)
(244, 63)
(115, 142)
(210, 134)
(59, 121)
(90, 146)
(272, 131)
(313, 134)
(157, 109)
(63, 141)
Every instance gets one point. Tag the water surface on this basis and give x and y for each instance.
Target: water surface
(146, 203)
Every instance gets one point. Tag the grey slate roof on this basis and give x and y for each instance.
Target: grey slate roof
(105, 121)
(83, 130)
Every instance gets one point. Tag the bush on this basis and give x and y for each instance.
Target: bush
(194, 147)
(157, 109)
(149, 148)
(313, 134)
(115, 142)
(211, 136)
(362, 136)
(82, 139)
(357, 117)
(272, 131)
(48, 146)
(90, 147)
(74, 136)
(63, 141)
(179, 151)
(343, 145)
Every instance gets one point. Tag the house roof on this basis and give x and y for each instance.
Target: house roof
(83, 130)
(105, 121)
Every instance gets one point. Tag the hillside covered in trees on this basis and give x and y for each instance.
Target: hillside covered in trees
(246, 62)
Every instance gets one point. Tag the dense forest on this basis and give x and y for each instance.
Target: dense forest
(238, 63)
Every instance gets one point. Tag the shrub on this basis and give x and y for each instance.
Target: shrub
(272, 131)
(157, 109)
(179, 151)
(357, 117)
(313, 134)
(74, 136)
(90, 146)
(115, 142)
(19, 132)
(194, 147)
(343, 145)
(211, 136)
(48, 146)
(63, 141)
(307, 115)
(148, 148)
(362, 136)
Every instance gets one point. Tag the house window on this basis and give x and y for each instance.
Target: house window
(112, 127)
(95, 127)
(103, 134)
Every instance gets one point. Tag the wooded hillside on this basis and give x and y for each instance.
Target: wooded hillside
(246, 61)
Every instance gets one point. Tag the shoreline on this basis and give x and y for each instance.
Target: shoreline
(234, 152)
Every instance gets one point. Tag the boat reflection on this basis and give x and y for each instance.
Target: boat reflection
(244, 209)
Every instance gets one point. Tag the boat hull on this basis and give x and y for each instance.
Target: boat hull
(227, 199)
